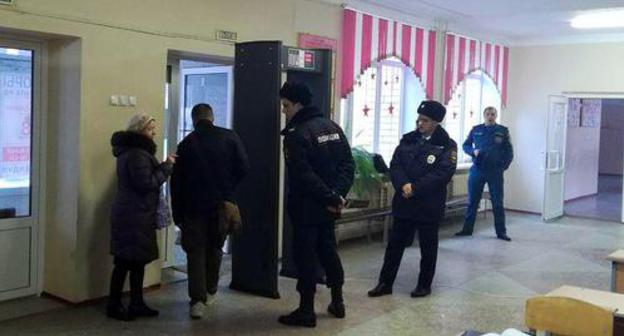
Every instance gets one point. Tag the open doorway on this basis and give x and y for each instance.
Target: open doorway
(594, 159)
(192, 79)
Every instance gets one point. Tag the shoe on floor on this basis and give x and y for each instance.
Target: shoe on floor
(420, 292)
(337, 309)
(118, 312)
(380, 290)
(463, 233)
(212, 298)
(197, 310)
(299, 318)
(141, 309)
(503, 237)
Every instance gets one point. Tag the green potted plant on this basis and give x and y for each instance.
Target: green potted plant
(367, 180)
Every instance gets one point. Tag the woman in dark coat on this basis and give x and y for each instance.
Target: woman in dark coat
(133, 217)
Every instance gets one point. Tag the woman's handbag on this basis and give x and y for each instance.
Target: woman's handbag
(163, 211)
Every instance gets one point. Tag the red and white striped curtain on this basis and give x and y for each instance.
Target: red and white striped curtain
(464, 55)
(367, 38)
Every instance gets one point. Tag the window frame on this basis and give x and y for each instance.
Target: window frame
(350, 105)
(463, 161)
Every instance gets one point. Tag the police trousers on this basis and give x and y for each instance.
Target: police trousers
(402, 236)
(315, 241)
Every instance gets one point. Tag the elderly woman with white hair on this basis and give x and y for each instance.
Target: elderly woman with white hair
(133, 216)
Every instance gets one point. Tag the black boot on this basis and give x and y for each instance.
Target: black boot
(303, 316)
(380, 290)
(138, 309)
(117, 311)
(337, 307)
(420, 292)
(504, 237)
(463, 233)
(299, 318)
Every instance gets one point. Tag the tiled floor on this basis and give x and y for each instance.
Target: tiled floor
(481, 283)
(606, 205)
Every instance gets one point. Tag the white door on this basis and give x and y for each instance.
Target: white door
(20, 131)
(554, 166)
(211, 85)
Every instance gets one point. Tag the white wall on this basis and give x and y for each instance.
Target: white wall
(612, 137)
(535, 73)
(581, 175)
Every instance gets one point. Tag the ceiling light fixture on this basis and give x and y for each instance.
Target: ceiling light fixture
(603, 19)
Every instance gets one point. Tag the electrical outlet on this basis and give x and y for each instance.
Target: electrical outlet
(114, 100)
(123, 100)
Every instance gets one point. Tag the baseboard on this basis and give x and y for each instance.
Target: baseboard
(580, 197)
(523, 211)
(93, 301)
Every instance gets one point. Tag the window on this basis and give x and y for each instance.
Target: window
(380, 109)
(465, 109)
(16, 138)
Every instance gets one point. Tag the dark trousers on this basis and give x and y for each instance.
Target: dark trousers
(402, 236)
(203, 245)
(137, 273)
(476, 181)
(312, 243)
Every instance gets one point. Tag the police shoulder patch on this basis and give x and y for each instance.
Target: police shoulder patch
(454, 156)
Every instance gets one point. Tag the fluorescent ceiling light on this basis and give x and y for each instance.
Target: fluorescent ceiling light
(604, 19)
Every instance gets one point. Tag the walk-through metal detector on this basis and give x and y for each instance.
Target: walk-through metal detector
(259, 71)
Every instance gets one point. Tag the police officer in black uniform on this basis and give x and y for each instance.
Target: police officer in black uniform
(421, 167)
(320, 174)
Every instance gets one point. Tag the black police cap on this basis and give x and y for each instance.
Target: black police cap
(432, 109)
(296, 92)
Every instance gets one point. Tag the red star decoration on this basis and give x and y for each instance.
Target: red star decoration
(390, 109)
(365, 110)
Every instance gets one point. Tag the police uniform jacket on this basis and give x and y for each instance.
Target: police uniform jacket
(494, 145)
(428, 165)
(319, 164)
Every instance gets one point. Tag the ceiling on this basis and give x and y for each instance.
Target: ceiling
(515, 21)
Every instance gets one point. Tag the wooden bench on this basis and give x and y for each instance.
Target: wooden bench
(576, 311)
(617, 271)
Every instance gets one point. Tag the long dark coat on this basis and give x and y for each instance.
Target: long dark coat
(133, 216)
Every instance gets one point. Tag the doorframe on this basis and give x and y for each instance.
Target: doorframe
(174, 57)
(595, 95)
(38, 164)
